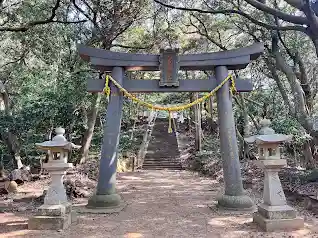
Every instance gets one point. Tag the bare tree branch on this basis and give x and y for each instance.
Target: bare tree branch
(68, 22)
(205, 33)
(301, 109)
(304, 80)
(249, 114)
(296, 3)
(280, 85)
(27, 26)
(84, 13)
(311, 15)
(16, 60)
(239, 12)
(281, 15)
(133, 47)
(314, 81)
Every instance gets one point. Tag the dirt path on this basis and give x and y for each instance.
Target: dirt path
(160, 204)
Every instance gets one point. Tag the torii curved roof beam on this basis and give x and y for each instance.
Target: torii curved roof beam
(105, 60)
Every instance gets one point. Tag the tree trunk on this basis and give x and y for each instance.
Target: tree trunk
(300, 107)
(315, 41)
(88, 135)
(192, 113)
(211, 106)
(309, 161)
(244, 148)
(298, 93)
(304, 81)
(11, 141)
(280, 85)
(8, 137)
(135, 122)
(198, 130)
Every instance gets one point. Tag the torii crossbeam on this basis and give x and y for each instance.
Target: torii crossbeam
(169, 63)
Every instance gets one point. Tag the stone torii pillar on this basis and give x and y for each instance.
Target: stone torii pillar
(105, 195)
(234, 196)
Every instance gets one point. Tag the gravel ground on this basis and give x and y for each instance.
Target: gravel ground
(160, 204)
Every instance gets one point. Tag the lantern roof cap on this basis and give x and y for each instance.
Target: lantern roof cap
(267, 135)
(58, 142)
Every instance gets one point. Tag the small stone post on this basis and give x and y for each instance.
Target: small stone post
(55, 213)
(234, 197)
(274, 213)
(19, 162)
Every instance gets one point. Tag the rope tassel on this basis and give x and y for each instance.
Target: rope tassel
(233, 86)
(107, 88)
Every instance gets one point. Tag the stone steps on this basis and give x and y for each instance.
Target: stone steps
(163, 150)
(159, 159)
(162, 168)
(159, 167)
(162, 163)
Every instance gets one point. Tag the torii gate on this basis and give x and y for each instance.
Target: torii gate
(169, 63)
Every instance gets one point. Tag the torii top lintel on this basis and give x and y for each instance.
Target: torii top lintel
(105, 60)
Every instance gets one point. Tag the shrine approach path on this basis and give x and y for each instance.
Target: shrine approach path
(159, 204)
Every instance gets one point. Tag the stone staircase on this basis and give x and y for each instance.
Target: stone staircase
(162, 152)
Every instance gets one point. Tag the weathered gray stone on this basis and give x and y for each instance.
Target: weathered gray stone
(278, 224)
(235, 59)
(56, 193)
(234, 197)
(56, 213)
(74, 218)
(50, 222)
(274, 214)
(105, 195)
(20, 175)
(277, 212)
(273, 192)
(243, 203)
(100, 201)
(54, 210)
(265, 129)
(57, 166)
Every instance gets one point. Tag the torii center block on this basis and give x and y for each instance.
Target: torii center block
(169, 67)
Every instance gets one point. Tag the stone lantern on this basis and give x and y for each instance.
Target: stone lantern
(55, 213)
(274, 213)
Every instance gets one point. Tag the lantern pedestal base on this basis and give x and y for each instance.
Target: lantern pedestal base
(278, 224)
(277, 218)
(238, 203)
(276, 212)
(109, 201)
(52, 217)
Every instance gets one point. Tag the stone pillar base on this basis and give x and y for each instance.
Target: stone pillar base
(237, 203)
(277, 218)
(104, 201)
(51, 217)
